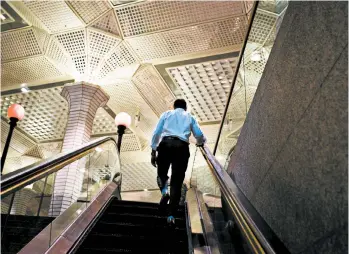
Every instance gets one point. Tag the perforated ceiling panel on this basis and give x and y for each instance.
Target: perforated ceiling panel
(118, 2)
(107, 23)
(154, 16)
(20, 43)
(103, 123)
(138, 173)
(138, 176)
(22, 71)
(19, 141)
(153, 88)
(29, 16)
(210, 132)
(46, 114)
(120, 56)
(75, 44)
(241, 102)
(89, 10)
(55, 15)
(50, 149)
(191, 39)
(130, 101)
(35, 151)
(60, 57)
(264, 23)
(205, 86)
(99, 45)
(129, 143)
(42, 38)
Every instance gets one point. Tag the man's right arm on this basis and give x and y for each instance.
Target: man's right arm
(199, 136)
(157, 133)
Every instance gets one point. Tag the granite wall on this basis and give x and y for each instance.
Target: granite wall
(291, 157)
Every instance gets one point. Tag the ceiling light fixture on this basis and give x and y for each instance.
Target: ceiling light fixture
(256, 56)
(24, 90)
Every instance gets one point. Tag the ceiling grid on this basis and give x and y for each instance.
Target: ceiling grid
(115, 44)
(198, 38)
(59, 56)
(19, 44)
(55, 15)
(156, 92)
(89, 10)
(107, 23)
(19, 141)
(133, 104)
(264, 24)
(99, 45)
(205, 86)
(148, 17)
(22, 71)
(27, 15)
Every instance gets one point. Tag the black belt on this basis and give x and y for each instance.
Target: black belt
(171, 138)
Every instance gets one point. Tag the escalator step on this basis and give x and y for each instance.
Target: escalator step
(139, 250)
(139, 219)
(30, 221)
(129, 241)
(136, 227)
(143, 210)
(136, 204)
(112, 228)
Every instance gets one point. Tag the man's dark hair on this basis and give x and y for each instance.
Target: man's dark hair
(180, 103)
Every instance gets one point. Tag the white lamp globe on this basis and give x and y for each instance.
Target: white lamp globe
(123, 119)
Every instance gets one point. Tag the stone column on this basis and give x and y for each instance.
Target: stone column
(84, 99)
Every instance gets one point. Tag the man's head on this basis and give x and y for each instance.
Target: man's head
(180, 103)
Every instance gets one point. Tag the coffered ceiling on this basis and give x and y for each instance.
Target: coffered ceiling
(144, 54)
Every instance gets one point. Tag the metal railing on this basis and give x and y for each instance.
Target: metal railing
(18, 179)
(257, 233)
(79, 215)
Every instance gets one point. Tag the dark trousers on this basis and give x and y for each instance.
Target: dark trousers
(172, 152)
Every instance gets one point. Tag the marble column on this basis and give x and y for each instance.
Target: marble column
(83, 99)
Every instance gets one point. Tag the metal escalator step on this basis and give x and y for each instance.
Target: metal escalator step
(20, 229)
(10, 230)
(143, 210)
(136, 227)
(140, 205)
(145, 220)
(138, 250)
(127, 241)
(128, 228)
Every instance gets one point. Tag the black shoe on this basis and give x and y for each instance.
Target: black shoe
(164, 200)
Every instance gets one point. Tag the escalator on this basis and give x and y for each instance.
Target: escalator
(133, 227)
(99, 221)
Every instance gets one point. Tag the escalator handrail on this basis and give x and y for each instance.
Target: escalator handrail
(20, 178)
(256, 231)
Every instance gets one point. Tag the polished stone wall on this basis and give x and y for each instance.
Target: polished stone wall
(291, 157)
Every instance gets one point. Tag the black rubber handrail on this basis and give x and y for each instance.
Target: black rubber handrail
(20, 178)
(255, 230)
